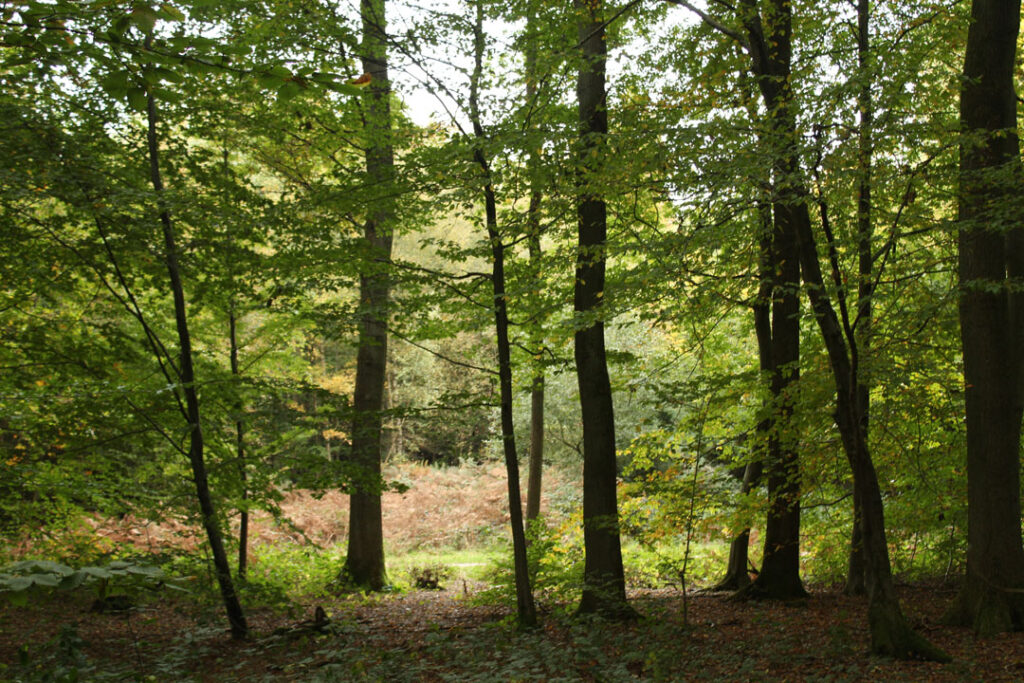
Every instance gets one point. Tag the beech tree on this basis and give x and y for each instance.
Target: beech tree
(364, 563)
(604, 589)
(991, 265)
(525, 609)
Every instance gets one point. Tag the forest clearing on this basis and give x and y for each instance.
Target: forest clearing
(511, 339)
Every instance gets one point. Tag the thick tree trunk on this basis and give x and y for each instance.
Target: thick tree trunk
(187, 378)
(364, 563)
(991, 254)
(770, 43)
(604, 585)
(780, 567)
(737, 577)
(525, 609)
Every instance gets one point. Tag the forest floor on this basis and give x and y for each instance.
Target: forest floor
(453, 635)
(444, 636)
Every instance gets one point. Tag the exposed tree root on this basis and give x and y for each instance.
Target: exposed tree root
(891, 636)
(987, 609)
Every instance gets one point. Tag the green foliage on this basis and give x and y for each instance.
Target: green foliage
(555, 558)
(281, 573)
(19, 581)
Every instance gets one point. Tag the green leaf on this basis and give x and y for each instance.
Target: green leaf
(116, 84)
(145, 18)
(96, 572)
(171, 13)
(287, 91)
(169, 75)
(344, 89)
(147, 570)
(269, 80)
(48, 580)
(39, 566)
(16, 584)
(137, 99)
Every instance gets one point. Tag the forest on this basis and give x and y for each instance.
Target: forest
(522, 340)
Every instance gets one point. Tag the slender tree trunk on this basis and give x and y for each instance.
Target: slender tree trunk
(604, 585)
(536, 448)
(186, 375)
(737, 576)
(865, 286)
(890, 633)
(525, 609)
(243, 474)
(533, 491)
(991, 256)
(364, 564)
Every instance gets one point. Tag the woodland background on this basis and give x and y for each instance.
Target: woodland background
(246, 267)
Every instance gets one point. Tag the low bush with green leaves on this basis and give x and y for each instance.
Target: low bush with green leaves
(20, 580)
(555, 559)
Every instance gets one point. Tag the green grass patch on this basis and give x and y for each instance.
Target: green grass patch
(469, 564)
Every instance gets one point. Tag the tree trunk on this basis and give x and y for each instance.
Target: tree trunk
(364, 563)
(865, 285)
(536, 448)
(991, 256)
(187, 378)
(770, 49)
(604, 585)
(890, 633)
(737, 576)
(533, 491)
(525, 609)
(243, 523)
(780, 567)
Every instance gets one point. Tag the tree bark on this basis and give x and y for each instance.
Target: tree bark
(890, 633)
(865, 286)
(604, 585)
(737, 577)
(525, 609)
(533, 490)
(364, 563)
(243, 523)
(187, 378)
(991, 265)
(770, 49)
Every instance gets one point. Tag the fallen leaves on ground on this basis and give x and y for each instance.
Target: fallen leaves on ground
(445, 636)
